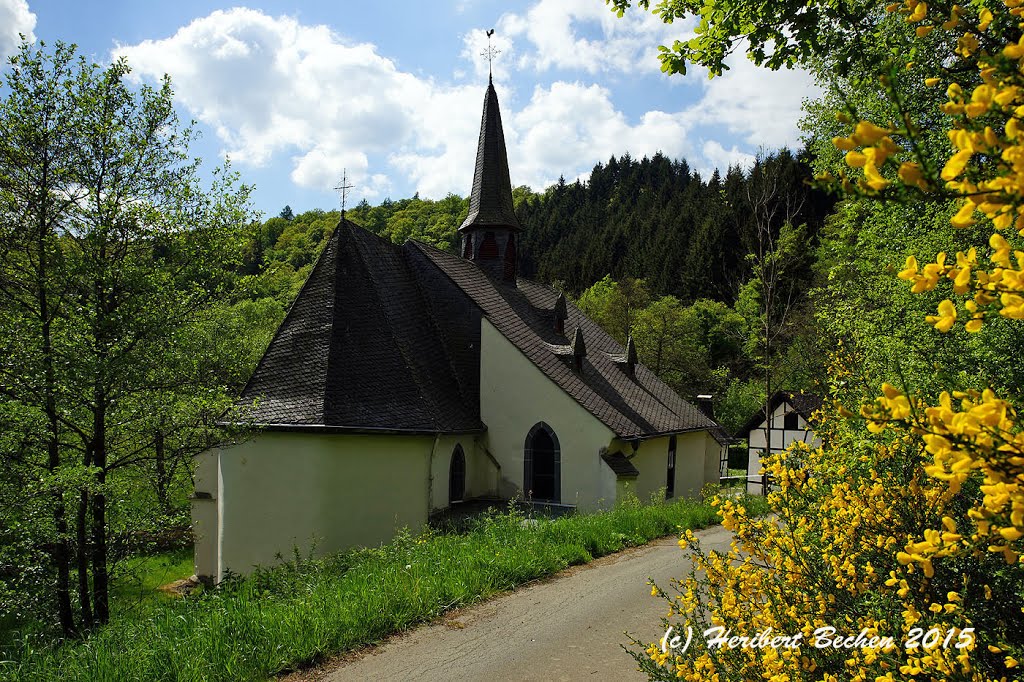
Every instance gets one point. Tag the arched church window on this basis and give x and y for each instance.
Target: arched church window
(457, 476)
(542, 479)
(489, 247)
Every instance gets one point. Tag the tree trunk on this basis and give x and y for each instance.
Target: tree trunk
(161, 471)
(100, 579)
(59, 553)
(84, 597)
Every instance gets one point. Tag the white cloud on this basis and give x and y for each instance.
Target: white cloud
(552, 28)
(760, 105)
(275, 90)
(268, 85)
(567, 128)
(721, 158)
(15, 20)
(474, 49)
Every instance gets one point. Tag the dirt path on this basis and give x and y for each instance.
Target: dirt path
(567, 628)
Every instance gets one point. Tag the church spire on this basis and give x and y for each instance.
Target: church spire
(489, 231)
(490, 202)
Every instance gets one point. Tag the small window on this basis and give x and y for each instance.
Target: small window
(789, 422)
(467, 249)
(489, 247)
(670, 482)
(510, 259)
(457, 476)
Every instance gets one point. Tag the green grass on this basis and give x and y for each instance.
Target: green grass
(136, 579)
(299, 613)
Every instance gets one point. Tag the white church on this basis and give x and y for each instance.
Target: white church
(405, 380)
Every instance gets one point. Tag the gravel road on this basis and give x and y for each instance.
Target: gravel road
(567, 628)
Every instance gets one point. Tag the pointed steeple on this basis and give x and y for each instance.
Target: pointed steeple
(489, 231)
(490, 202)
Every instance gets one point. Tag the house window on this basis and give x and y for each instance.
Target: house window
(789, 422)
(670, 483)
(489, 247)
(510, 259)
(542, 478)
(457, 476)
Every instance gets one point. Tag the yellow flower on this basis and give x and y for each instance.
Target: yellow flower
(956, 164)
(910, 174)
(985, 17)
(874, 178)
(918, 12)
(963, 217)
(867, 133)
(945, 319)
(844, 143)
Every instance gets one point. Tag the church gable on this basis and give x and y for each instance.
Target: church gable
(359, 349)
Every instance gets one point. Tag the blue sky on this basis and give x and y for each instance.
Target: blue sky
(392, 91)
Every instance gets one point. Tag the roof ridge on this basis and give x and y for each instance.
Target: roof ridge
(418, 379)
(317, 264)
(437, 328)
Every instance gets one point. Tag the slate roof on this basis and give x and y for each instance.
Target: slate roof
(524, 313)
(622, 467)
(805, 404)
(386, 337)
(490, 200)
(359, 349)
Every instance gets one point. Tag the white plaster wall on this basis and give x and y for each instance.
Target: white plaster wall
(281, 490)
(691, 463)
(515, 395)
(480, 470)
(487, 474)
(204, 514)
(713, 454)
(651, 460)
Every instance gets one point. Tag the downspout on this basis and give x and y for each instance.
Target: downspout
(430, 476)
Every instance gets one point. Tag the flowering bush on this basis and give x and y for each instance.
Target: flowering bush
(896, 552)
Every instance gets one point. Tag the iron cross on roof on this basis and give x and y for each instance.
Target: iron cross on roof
(344, 187)
(490, 52)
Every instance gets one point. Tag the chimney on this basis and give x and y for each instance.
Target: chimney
(705, 405)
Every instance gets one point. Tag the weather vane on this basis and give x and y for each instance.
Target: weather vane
(490, 53)
(344, 187)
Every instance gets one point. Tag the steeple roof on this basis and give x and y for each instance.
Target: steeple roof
(490, 202)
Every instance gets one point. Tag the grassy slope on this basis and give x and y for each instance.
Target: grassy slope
(298, 613)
